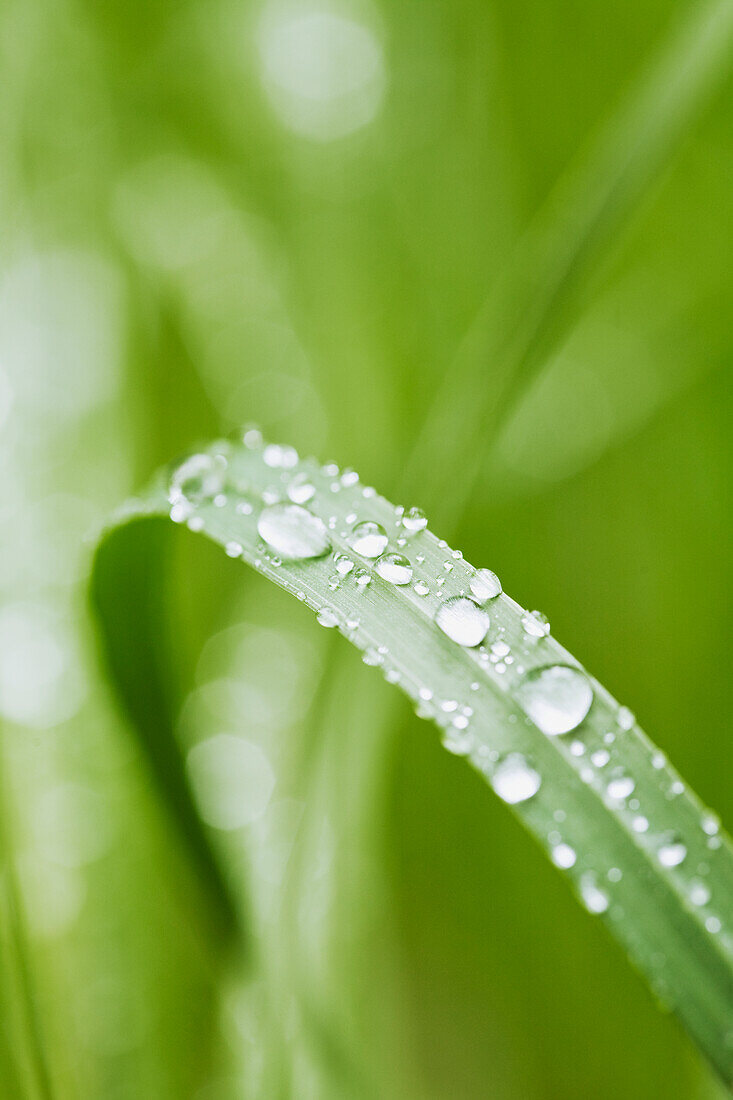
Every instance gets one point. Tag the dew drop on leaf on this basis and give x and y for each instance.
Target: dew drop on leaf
(671, 853)
(394, 568)
(557, 698)
(301, 489)
(563, 856)
(368, 539)
(293, 532)
(535, 624)
(326, 617)
(414, 520)
(199, 478)
(699, 893)
(463, 621)
(485, 585)
(514, 779)
(620, 787)
(593, 897)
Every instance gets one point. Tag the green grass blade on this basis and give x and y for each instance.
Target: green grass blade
(555, 266)
(637, 846)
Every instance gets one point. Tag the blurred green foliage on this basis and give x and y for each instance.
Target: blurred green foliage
(290, 213)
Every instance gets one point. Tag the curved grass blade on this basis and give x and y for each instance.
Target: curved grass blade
(637, 846)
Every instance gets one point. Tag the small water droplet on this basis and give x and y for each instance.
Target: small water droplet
(709, 824)
(414, 520)
(500, 650)
(252, 438)
(671, 853)
(327, 618)
(600, 758)
(420, 588)
(563, 856)
(293, 532)
(620, 787)
(593, 897)
(535, 624)
(394, 568)
(199, 478)
(514, 780)
(640, 824)
(301, 489)
(556, 697)
(699, 893)
(349, 478)
(485, 585)
(625, 718)
(233, 549)
(277, 456)
(713, 925)
(463, 621)
(368, 539)
(343, 564)
(363, 578)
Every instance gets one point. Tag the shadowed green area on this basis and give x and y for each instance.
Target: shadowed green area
(293, 213)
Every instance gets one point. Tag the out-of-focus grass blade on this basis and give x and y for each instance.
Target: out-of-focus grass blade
(537, 298)
(26, 1053)
(639, 849)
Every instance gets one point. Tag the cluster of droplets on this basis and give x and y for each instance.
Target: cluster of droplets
(556, 697)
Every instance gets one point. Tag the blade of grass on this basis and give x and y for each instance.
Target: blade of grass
(638, 847)
(19, 969)
(555, 266)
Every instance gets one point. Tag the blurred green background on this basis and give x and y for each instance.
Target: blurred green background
(215, 212)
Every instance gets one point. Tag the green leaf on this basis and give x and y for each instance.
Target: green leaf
(636, 846)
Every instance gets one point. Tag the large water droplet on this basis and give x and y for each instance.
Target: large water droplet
(414, 520)
(199, 478)
(368, 539)
(593, 897)
(463, 620)
(556, 698)
(394, 568)
(514, 780)
(485, 585)
(293, 532)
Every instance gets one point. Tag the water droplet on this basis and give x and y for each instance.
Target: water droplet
(620, 787)
(625, 718)
(349, 478)
(699, 893)
(327, 618)
(199, 478)
(394, 568)
(500, 650)
(362, 578)
(421, 588)
(414, 520)
(514, 780)
(301, 489)
(344, 565)
(593, 897)
(710, 824)
(535, 624)
(252, 438)
(557, 698)
(713, 925)
(671, 853)
(293, 532)
(563, 856)
(233, 549)
(485, 585)
(277, 456)
(640, 824)
(368, 539)
(600, 758)
(463, 621)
